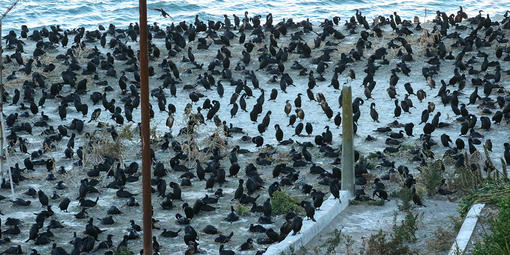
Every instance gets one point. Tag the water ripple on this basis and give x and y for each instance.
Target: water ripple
(90, 13)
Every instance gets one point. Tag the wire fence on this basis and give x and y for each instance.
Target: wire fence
(4, 155)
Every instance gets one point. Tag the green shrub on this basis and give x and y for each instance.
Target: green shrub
(467, 179)
(380, 244)
(393, 243)
(498, 241)
(242, 210)
(432, 176)
(405, 232)
(333, 241)
(123, 251)
(282, 203)
(406, 195)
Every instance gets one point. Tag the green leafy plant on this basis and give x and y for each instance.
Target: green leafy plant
(242, 210)
(123, 251)
(282, 203)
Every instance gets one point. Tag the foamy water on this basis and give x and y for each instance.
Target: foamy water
(90, 13)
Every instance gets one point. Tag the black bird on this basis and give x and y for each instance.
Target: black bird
(297, 223)
(334, 189)
(13, 250)
(248, 245)
(279, 133)
(64, 204)
(445, 140)
(170, 234)
(459, 143)
(416, 198)
(223, 238)
(222, 251)
(163, 13)
(381, 194)
(43, 198)
(373, 113)
(232, 216)
(310, 211)
(486, 123)
(210, 230)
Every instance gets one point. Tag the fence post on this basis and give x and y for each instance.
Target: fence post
(347, 141)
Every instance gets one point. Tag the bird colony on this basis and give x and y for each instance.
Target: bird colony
(243, 111)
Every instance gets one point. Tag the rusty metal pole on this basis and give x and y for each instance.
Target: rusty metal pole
(146, 156)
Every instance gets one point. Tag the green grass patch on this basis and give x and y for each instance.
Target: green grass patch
(490, 193)
(498, 241)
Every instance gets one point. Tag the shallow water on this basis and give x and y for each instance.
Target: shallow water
(90, 13)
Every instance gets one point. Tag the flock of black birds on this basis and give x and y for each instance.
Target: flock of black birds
(86, 61)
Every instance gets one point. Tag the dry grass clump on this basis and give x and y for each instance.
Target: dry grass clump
(101, 144)
(441, 242)
(127, 132)
(195, 147)
(282, 157)
(394, 242)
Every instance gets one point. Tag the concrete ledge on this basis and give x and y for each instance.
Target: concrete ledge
(465, 232)
(328, 211)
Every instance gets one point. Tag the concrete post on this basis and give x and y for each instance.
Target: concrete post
(347, 141)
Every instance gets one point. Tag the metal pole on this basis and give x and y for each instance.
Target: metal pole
(347, 141)
(146, 160)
